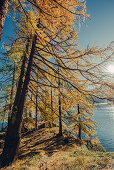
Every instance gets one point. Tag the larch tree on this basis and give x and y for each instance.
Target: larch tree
(9, 73)
(48, 21)
(80, 119)
(15, 124)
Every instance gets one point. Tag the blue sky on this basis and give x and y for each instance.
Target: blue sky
(99, 30)
(7, 30)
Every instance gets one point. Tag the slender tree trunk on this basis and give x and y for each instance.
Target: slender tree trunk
(2, 124)
(20, 83)
(45, 117)
(60, 118)
(80, 129)
(3, 11)
(29, 113)
(51, 115)
(13, 134)
(52, 107)
(59, 101)
(45, 100)
(3, 118)
(36, 122)
(51, 101)
(11, 96)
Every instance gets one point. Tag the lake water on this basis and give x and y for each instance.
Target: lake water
(104, 115)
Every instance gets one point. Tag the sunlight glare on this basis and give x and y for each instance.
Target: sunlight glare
(111, 69)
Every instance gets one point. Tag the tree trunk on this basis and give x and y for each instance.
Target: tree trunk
(20, 83)
(36, 122)
(3, 11)
(60, 114)
(60, 118)
(4, 117)
(51, 124)
(51, 101)
(11, 96)
(13, 134)
(2, 124)
(79, 126)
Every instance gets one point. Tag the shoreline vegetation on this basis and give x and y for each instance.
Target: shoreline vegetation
(95, 104)
(44, 149)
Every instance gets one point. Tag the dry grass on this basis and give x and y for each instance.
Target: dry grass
(43, 150)
(71, 158)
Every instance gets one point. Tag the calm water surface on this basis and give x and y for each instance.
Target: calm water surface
(104, 115)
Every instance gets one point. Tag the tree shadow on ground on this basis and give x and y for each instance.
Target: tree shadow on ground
(42, 141)
(30, 154)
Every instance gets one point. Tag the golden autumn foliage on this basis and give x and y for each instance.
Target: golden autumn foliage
(54, 75)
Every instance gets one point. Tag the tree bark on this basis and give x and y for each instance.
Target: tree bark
(59, 101)
(13, 133)
(11, 96)
(3, 119)
(36, 122)
(51, 101)
(60, 118)
(3, 11)
(79, 126)
(20, 82)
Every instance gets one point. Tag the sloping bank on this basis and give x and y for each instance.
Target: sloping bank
(44, 149)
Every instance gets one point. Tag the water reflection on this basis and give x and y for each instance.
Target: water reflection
(104, 115)
(112, 113)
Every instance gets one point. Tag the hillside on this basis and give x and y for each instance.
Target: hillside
(43, 149)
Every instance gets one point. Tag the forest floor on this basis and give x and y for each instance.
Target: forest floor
(45, 150)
